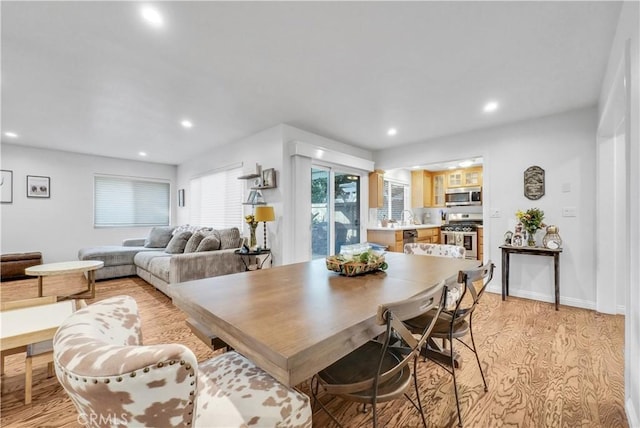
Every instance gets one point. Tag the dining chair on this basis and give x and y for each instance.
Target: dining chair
(113, 379)
(380, 371)
(458, 322)
(441, 250)
(35, 353)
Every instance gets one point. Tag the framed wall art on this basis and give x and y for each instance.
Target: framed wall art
(181, 198)
(6, 185)
(38, 186)
(269, 177)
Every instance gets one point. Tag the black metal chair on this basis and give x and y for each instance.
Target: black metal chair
(458, 322)
(379, 371)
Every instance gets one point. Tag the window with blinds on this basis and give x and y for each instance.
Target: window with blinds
(396, 197)
(216, 199)
(127, 201)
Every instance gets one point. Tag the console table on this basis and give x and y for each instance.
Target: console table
(535, 251)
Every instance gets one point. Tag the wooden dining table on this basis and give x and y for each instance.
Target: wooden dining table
(295, 320)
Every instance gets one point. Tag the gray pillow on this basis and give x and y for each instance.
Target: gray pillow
(178, 242)
(194, 241)
(209, 243)
(229, 238)
(159, 237)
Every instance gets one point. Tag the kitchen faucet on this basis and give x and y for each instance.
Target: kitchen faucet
(410, 217)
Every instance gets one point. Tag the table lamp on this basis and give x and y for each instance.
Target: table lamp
(265, 214)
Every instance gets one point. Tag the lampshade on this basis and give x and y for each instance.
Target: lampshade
(264, 213)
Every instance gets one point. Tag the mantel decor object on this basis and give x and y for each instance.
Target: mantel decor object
(534, 183)
(552, 239)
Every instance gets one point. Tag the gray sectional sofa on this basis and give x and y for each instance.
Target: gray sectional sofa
(170, 255)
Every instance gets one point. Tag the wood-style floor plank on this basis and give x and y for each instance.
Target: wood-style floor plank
(544, 368)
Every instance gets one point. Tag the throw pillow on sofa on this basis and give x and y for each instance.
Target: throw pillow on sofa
(194, 241)
(229, 238)
(178, 242)
(159, 237)
(209, 243)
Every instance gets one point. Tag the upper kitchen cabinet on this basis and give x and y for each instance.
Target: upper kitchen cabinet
(438, 180)
(464, 177)
(376, 189)
(421, 189)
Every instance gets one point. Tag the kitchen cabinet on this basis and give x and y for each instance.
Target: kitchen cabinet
(465, 177)
(429, 236)
(438, 180)
(376, 189)
(421, 189)
(393, 238)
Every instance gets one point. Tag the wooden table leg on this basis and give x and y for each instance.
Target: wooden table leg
(556, 270)
(91, 282)
(505, 273)
(40, 286)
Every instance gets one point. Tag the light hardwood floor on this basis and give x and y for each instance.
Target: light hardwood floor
(544, 368)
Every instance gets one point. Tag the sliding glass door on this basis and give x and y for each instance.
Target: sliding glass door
(335, 210)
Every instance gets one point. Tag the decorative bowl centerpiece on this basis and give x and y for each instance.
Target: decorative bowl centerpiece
(349, 264)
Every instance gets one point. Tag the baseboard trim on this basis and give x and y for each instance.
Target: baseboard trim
(569, 301)
(632, 414)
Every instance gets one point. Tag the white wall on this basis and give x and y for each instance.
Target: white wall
(564, 146)
(625, 49)
(265, 148)
(62, 224)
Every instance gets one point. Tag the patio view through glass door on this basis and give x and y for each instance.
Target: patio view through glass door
(335, 210)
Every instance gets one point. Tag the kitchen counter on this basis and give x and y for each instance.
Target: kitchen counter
(393, 237)
(407, 227)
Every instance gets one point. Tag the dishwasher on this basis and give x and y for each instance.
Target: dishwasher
(409, 236)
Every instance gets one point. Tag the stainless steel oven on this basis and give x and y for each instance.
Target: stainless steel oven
(468, 240)
(462, 230)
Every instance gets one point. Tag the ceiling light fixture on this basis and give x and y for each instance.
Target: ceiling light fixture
(186, 124)
(392, 131)
(465, 164)
(491, 106)
(152, 16)
(11, 134)
(143, 154)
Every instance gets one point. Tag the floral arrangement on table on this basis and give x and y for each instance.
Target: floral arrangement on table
(355, 264)
(253, 224)
(531, 220)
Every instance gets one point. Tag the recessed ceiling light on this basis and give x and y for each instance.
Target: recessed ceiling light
(392, 131)
(451, 167)
(152, 16)
(11, 134)
(415, 167)
(465, 164)
(491, 106)
(186, 124)
(143, 154)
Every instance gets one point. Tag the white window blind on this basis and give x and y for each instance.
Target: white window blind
(216, 199)
(126, 201)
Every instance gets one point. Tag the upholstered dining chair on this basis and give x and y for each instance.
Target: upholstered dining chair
(441, 250)
(113, 379)
(458, 322)
(379, 371)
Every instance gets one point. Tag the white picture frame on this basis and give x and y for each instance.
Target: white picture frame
(38, 186)
(6, 186)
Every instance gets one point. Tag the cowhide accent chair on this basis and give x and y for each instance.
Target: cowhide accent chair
(441, 250)
(114, 380)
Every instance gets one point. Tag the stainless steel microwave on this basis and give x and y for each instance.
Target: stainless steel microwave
(462, 196)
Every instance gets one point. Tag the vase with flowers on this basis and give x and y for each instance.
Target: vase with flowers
(531, 220)
(253, 224)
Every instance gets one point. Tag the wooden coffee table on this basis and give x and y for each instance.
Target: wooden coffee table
(63, 268)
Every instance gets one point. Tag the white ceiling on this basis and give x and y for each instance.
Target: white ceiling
(91, 77)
